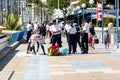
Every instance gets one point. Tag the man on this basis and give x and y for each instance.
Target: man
(72, 38)
(84, 38)
(56, 31)
(29, 30)
(66, 29)
(77, 35)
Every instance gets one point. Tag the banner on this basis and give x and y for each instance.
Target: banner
(99, 11)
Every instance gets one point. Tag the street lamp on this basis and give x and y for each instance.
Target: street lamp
(83, 6)
(91, 2)
(117, 21)
(78, 9)
(102, 21)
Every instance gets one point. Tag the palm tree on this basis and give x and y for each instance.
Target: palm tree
(11, 22)
(39, 8)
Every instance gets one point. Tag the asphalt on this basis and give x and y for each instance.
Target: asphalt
(99, 64)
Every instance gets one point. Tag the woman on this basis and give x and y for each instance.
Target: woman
(47, 30)
(92, 32)
(43, 32)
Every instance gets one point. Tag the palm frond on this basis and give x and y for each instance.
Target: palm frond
(12, 22)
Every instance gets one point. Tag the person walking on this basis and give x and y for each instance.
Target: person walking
(29, 30)
(43, 32)
(106, 40)
(72, 38)
(47, 29)
(84, 37)
(93, 34)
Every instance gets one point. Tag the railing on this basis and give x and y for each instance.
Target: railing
(94, 11)
(17, 37)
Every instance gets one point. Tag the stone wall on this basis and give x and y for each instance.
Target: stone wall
(3, 43)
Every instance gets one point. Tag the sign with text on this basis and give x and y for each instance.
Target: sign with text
(99, 11)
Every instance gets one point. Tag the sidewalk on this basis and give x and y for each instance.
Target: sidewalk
(97, 65)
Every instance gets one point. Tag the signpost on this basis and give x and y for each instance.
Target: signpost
(99, 11)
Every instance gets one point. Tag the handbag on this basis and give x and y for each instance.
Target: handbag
(63, 51)
(96, 41)
(53, 50)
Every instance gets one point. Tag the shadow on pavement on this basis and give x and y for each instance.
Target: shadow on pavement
(5, 61)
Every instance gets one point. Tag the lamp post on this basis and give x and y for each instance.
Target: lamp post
(91, 2)
(6, 5)
(78, 9)
(117, 21)
(58, 4)
(102, 21)
(1, 6)
(83, 6)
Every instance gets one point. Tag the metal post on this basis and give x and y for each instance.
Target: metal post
(83, 13)
(1, 12)
(91, 14)
(41, 13)
(58, 4)
(117, 22)
(6, 5)
(18, 3)
(11, 8)
(102, 21)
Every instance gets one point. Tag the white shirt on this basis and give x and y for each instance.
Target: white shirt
(72, 30)
(67, 27)
(35, 27)
(86, 28)
(29, 27)
(55, 28)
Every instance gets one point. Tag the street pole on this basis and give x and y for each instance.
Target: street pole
(117, 22)
(6, 6)
(83, 13)
(1, 12)
(91, 14)
(41, 13)
(102, 21)
(83, 6)
(58, 4)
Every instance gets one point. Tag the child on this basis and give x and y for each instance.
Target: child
(90, 41)
(35, 38)
(106, 40)
(31, 43)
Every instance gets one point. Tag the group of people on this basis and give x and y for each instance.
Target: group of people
(34, 37)
(76, 34)
(84, 35)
